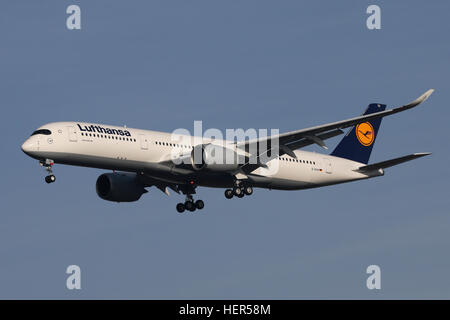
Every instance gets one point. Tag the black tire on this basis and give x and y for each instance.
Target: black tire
(180, 208)
(248, 190)
(48, 179)
(228, 193)
(189, 205)
(237, 191)
(199, 204)
(241, 195)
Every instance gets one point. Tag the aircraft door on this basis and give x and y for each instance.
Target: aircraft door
(144, 141)
(327, 165)
(72, 134)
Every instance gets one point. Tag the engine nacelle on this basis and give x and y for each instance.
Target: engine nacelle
(215, 158)
(119, 187)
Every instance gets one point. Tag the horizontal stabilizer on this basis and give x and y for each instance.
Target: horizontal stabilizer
(392, 162)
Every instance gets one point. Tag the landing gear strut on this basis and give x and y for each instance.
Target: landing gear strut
(48, 163)
(189, 204)
(239, 190)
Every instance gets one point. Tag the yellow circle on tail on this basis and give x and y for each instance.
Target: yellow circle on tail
(365, 133)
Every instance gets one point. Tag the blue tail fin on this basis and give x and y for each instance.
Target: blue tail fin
(357, 144)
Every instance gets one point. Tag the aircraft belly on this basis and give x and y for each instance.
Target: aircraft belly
(282, 176)
(279, 183)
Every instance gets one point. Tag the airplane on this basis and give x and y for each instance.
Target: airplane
(143, 158)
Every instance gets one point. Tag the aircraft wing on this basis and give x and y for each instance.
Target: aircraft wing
(296, 139)
(164, 186)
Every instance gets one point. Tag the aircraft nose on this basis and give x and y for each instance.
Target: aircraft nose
(28, 146)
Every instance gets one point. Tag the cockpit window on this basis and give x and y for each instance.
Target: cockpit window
(42, 131)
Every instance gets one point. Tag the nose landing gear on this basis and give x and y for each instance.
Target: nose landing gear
(48, 163)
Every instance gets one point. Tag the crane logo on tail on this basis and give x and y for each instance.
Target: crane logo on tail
(365, 133)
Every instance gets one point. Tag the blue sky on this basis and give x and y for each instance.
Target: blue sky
(232, 64)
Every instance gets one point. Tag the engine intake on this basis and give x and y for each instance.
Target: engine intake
(119, 187)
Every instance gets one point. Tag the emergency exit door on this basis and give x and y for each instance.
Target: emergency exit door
(72, 134)
(144, 142)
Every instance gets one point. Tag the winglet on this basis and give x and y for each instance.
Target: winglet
(422, 154)
(420, 99)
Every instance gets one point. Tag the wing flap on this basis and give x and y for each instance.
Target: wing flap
(160, 184)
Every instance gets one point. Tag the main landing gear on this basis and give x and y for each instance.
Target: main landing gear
(239, 190)
(189, 204)
(47, 163)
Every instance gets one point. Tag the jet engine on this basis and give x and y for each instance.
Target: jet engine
(119, 187)
(215, 158)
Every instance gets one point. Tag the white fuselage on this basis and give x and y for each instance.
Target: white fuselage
(136, 150)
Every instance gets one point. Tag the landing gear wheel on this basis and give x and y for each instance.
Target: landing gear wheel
(180, 207)
(228, 193)
(248, 190)
(49, 179)
(237, 191)
(47, 164)
(189, 205)
(241, 195)
(199, 204)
